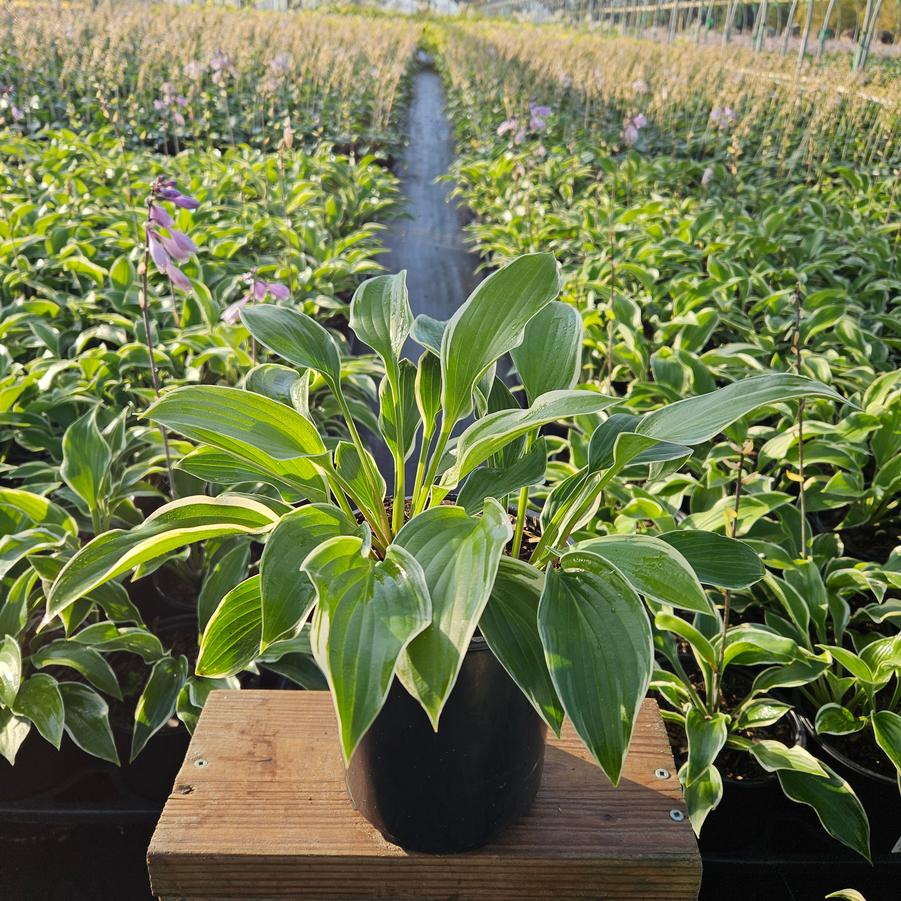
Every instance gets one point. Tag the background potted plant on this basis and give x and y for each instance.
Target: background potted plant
(396, 587)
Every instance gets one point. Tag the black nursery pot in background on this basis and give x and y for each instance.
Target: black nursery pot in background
(455, 789)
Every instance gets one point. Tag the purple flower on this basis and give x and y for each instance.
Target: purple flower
(506, 126)
(633, 126)
(160, 216)
(163, 251)
(178, 245)
(258, 290)
(221, 66)
(538, 117)
(178, 278)
(640, 86)
(233, 311)
(722, 117)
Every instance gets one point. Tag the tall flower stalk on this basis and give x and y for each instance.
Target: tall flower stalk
(165, 245)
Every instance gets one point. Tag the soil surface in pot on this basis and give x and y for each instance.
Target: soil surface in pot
(732, 763)
(860, 748)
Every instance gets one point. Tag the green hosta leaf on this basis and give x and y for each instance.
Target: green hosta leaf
(428, 332)
(459, 556)
(750, 644)
(36, 508)
(388, 413)
(631, 448)
(231, 640)
(349, 465)
(220, 468)
(487, 482)
(84, 660)
(13, 731)
(14, 610)
(509, 624)
(87, 721)
(490, 323)
(86, 461)
(706, 738)
(381, 318)
(295, 337)
(654, 568)
(428, 390)
(550, 356)
(486, 436)
(287, 593)
(717, 560)
(761, 712)
(14, 548)
(39, 700)
(132, 640)
(603, 439)
(887, 729)
(852, 663)
(367, 612)
(833, 719)
(228, 569)
(702, 795)
(263, 433)
(10, 670)
(157, 702)
(791, 675)
(274, 381)
(835, 803)
(173, 526)
(696, 640)
(697, 419)
(774, 756)
(597, 641)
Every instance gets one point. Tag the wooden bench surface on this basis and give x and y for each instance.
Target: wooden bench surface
(259, 810)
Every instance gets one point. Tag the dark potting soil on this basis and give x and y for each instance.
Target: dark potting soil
(732, 763)
(860, 748)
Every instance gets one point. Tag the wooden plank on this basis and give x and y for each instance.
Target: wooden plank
(259, 811)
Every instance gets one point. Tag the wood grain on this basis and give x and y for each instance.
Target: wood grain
(259, 811)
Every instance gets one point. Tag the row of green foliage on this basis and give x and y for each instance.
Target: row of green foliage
(176, 77)
(78, 159)
(697, 259)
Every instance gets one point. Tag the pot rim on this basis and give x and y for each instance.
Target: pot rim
(838, 756)
(771, 778)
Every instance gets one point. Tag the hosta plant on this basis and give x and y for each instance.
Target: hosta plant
(715, 705)
(54, 674)
(396, 584)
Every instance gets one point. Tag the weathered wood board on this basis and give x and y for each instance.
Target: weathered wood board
(259, 811)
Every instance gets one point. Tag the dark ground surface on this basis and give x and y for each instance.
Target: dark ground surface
(429, 242)
(103, 862)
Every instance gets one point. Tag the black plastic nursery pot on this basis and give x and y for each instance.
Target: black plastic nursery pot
(458, 788)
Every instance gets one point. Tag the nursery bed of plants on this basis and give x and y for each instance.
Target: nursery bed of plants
(656, 451)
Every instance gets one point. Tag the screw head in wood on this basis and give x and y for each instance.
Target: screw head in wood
(661, 773)
(676, 815)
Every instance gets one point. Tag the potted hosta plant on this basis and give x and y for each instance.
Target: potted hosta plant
(734, 736)
(408, 602)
